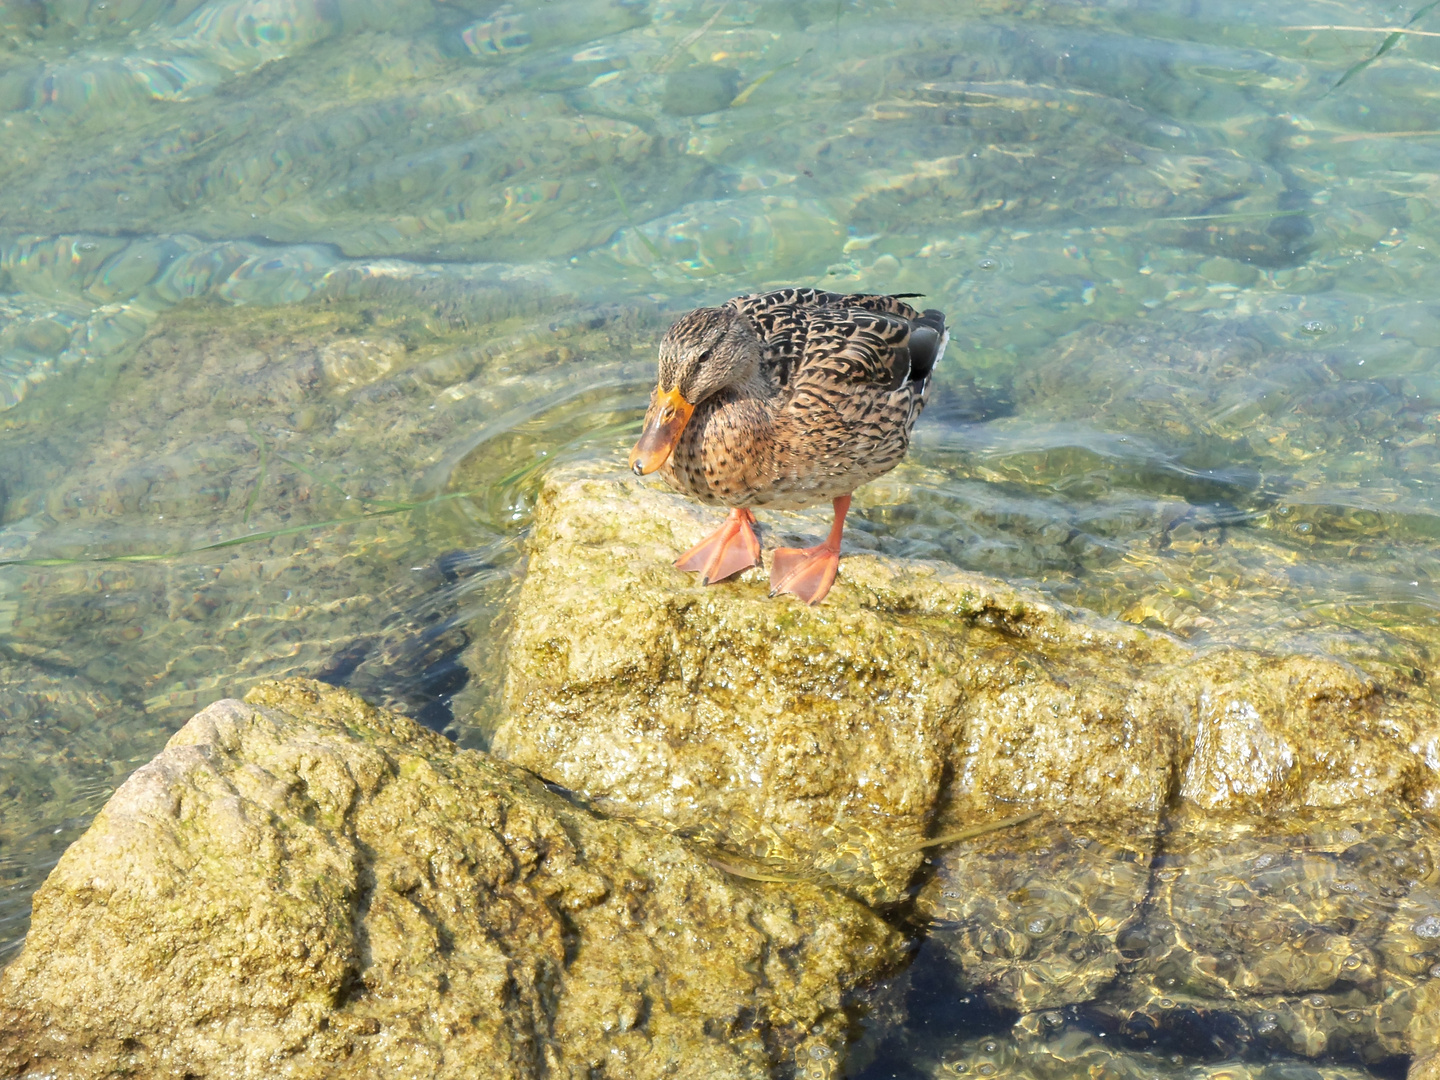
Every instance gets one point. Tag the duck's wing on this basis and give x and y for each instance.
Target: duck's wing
(854, 394)
(861, 338)
(761, 307)
(865, 352)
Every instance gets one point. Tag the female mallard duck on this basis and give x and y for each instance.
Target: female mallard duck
(786, 399)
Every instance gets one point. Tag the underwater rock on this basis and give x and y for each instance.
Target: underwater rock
(917, 700)
(1032, 916)
(735, 238)
(1315, 455)
(248, 422)
(1326, 407)
(705, 88)
(1055, 1049)
(61, 755)
(302, 878)
(1314, 933)
(508, 175)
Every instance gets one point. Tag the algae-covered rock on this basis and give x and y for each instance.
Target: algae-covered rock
(918, 699)
(1269, 734)
(821, 737)
(301, 883)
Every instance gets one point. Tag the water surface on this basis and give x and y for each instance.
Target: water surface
(298, 299)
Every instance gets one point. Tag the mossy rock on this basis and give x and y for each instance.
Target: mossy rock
(918, 699)
(303, 883)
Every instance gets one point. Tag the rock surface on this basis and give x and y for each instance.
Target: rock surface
(301, 884)
(915, 700)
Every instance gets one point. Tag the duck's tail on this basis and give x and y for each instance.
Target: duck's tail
(928, 339)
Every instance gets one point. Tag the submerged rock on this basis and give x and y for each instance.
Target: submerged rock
(264, 424)
(1058, 1051)
(1313, 934)
(917, 700)
(303, 884)
(59, 761)
(702, 89)
(1033, 920)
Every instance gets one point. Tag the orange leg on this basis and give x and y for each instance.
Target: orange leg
(809, 572)
(728, 550)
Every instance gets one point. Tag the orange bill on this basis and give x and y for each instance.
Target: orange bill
(668, 415)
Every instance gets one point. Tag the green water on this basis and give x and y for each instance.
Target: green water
(299, 298)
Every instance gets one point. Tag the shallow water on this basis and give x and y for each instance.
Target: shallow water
(299, 299)
(1235, 948)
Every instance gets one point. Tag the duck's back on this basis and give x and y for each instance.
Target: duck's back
(803, 330)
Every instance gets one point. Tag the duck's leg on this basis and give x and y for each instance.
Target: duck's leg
(809, 572)
(728, 550)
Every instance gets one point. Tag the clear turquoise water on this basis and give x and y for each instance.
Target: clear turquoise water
(298, 298)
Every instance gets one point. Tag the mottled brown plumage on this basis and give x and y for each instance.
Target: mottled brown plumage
(786, 399)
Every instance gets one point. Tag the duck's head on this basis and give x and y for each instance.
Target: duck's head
(707, 351)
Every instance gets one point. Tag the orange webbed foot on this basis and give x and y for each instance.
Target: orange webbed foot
(806, 573)
(728, 550)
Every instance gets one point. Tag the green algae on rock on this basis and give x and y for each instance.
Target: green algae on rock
(833, 740)
(307, 883)
(821, 737)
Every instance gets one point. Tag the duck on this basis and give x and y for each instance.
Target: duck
(786, 399)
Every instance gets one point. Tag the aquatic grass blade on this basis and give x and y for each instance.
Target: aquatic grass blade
(615, 190)
(260, 478)
(1391, 40)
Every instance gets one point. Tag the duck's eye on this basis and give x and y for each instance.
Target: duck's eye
(704, 356)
